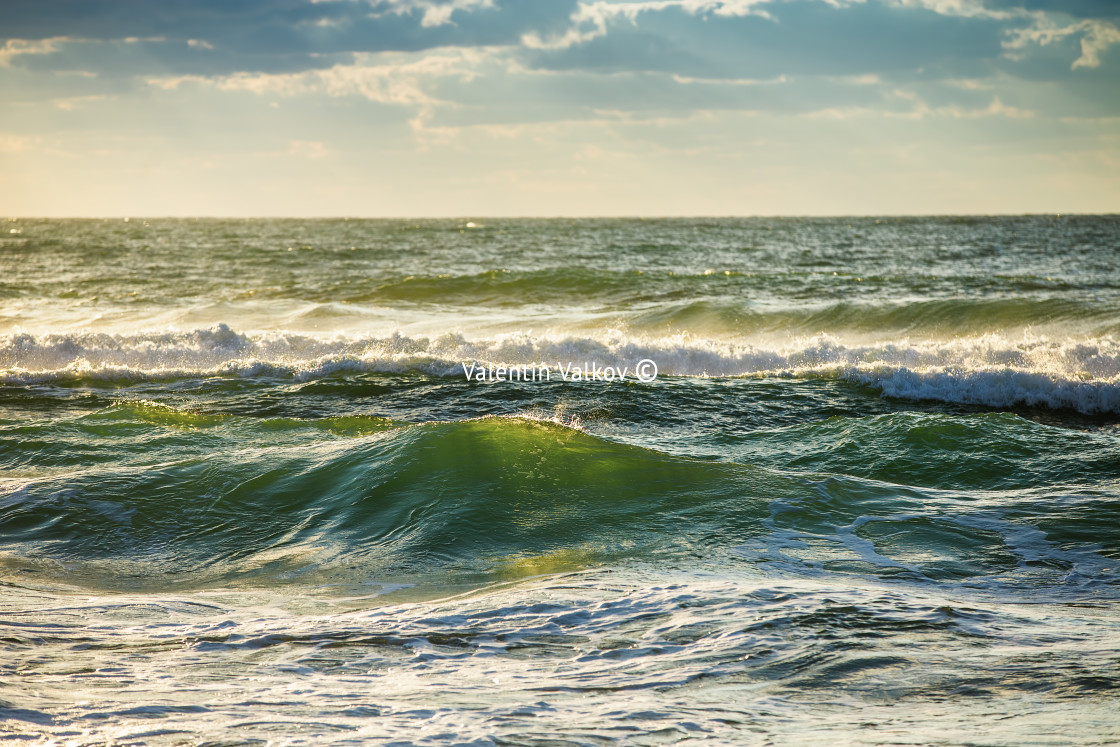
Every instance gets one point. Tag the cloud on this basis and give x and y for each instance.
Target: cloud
(311, 149)
(221, 37)
(758, 40)
(921, 110)
(391, 78)
(434, 67)
(1098, 38)
(18, 143)
(745, 39)
(1095, 37)
(15, 47)
(1101, 9)
(439, 14)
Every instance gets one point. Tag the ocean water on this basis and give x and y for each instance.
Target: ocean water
(252, 492)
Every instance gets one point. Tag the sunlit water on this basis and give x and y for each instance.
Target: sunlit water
(873, 496)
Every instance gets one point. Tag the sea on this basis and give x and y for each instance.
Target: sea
(743, 481)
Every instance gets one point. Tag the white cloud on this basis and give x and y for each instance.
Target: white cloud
(18, 143)
(1096, 37)
(437, 14)
(970, 84)
(921, 110)
(727, 8)
(71, 103)
(172, 82)
(394, 78)
(591, 19)
(688, 79)
(16, 47)
(311, 149)
(1000, 109)
(961, 8)
(588, 22)
(867, 79)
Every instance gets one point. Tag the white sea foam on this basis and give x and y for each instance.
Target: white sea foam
(990, 370)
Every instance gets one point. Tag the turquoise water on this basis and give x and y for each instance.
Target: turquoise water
(248, 493)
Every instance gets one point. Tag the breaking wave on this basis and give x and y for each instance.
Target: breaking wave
(992, 370)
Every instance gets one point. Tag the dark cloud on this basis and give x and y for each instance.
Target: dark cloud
(801, 39)
(258, 35)
(804, 37)
(115, 19)
(1103, 9)
(116, 59)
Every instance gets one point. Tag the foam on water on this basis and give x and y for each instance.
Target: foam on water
(593, 658)
(992, 370)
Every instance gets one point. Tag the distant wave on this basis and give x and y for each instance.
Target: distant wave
(951, 315)
(992, 370)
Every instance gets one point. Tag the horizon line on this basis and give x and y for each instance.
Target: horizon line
(472, 217)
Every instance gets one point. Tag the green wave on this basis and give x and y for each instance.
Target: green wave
(951, 317)
(825, 300)
(982, 451)
(514, 288)
(140, 495)
(470, 495)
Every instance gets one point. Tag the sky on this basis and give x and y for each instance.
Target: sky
(425, 108)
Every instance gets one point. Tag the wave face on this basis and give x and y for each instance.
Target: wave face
(403, 500)
(873, 494)
(147, 494)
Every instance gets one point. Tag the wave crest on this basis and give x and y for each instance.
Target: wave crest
(991, 370)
